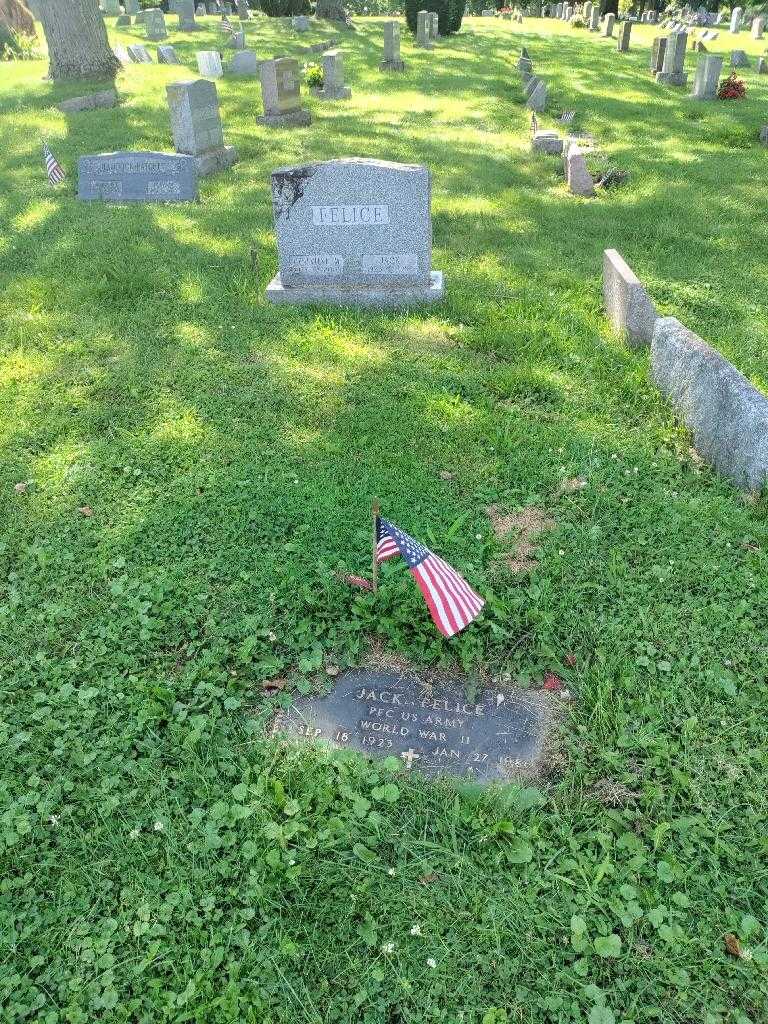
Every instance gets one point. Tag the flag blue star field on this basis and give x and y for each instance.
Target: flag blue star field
(452, 603)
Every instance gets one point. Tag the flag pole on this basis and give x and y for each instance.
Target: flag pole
(375, 514)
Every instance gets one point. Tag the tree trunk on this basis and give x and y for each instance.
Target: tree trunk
(76, 34)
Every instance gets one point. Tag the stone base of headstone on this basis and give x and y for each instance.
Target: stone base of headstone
(672, 78)
(392, 65)
(378, 297)
(96, 101)
(332, 94)
(292, 119)
(216, 160)
(547, 141)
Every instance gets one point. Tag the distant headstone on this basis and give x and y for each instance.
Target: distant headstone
(201, 11)
(123, 21)
(433, 26)
(111, 8)
(167, 55)
(608, 24)
(764, 134)
(243, 10)
(586, 11)
(434, 733)
(333, 78)
(625, 30)
(196, 125)
(139, 54)
(576, 172)
(94, 101)
(131, 7)
(657, 54)
(300, 23)
(672, 71)
(137, 177)
(392, 60)
(707, 78)
(354, 232)
(244, 63)
(758, 26)
(762, 66)
(537, 97)
(547, 141)
(281, 94)
(186, 12)
(739, 59)
(736, 15)
(594, 19)
(237, 40)
(154, 23)
(423, 32)
(209, 63)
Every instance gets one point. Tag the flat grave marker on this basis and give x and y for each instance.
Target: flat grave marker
(137, 177)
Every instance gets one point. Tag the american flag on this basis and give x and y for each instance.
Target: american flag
(534, 124)
(452, 603)
(53, 168)
(226, 25)
(567, 116)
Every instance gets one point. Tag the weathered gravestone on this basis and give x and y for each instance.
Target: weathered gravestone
(139, 54)
(237, 40)
(354, 232)
(758, 26)
(137, 177)
(209, 63)
(625, 30)
(736, 15)
(186, 12)
(739, 59)
(626, 302)
(167, 55)
(244, 64)
(657, 54)
(762, 66)
(105, 99)
(243, 10)
(434, 732)
(111, 8)
(281, 94)
(423, 30)
(123, 21)
(300, 23)
(707, 79)
(333, 78)
(594, 20)
(433, 26)
(537, 96)
(154, 23)
(577, 175)
(672, 71)
(201, 10)
(586, 11)
(392, 60)
(608, 24)
(131, 7)
(547, 141)
(196, 125)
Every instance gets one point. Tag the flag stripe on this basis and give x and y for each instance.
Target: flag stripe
(473, 600)
(454, 615)
(465, 611)
(435, 609)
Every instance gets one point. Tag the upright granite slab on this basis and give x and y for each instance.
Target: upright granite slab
(209, 63)
(139, 54)
(673, 69)
(186, 12)
(727, 415)
(281, 94)
(333, 78)
(608, 23)
(392, 60)
(707, 79)
(167, 55)
(196, 125)
(154, 23)
(137, 177)
(354, 232)
(626, 302)
(435, 731)
(658, 52)
(244, 64)
(739, 59)
(423, 30)
(625, 31)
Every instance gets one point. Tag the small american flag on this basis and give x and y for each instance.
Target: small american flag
(53, 168)
(567, 116)
(534, 124)
(452, 603)
(226, 25)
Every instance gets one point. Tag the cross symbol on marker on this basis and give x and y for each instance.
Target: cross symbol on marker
(409, 756)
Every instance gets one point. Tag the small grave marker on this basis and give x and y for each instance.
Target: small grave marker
(137, 177)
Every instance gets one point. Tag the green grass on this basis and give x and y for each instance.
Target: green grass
(229, 451)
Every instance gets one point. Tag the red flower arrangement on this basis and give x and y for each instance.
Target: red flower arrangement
(733, 88)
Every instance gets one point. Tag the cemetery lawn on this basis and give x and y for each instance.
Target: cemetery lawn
(196, 469)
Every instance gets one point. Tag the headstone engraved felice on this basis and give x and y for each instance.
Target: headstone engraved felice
(354, 232)
(392, 60)
(196, 125)
(435, 732)
(281, 93)
(137, 177)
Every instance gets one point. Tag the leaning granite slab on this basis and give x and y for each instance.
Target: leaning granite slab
(727, 415)
(354, 232)
(626, 302)
(96, 101)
